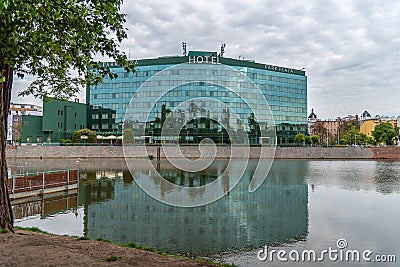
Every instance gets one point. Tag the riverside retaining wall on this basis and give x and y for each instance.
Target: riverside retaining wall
(189, 151)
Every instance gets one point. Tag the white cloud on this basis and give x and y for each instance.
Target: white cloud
(350, 49)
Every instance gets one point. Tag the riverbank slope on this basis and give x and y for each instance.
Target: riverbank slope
(27, 248)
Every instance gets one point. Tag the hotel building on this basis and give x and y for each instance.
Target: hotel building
(284, 89)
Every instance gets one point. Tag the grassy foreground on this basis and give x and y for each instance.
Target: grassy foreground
(85, 251)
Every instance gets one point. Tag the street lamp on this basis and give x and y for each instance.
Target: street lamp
(327, 137)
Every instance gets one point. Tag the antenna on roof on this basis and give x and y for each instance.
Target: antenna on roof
(184, 48)
(221, 54)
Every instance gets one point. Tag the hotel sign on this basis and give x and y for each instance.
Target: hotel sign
(201, 57)
(277, 68)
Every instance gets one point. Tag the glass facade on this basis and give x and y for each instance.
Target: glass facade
(206, 97)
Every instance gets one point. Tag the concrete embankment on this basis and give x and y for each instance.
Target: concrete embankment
(223, 152)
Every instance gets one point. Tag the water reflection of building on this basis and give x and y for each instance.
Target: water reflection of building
(44, 206)
(277, 212)
(95, 190)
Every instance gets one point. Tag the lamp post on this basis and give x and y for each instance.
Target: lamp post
(119, 133)
(327, 137)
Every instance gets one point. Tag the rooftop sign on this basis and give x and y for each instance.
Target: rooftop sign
(277, 68)
(204, 57)
(201, 57)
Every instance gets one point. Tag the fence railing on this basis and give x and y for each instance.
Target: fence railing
(41, 181)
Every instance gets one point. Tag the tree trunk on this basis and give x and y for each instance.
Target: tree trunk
(6, 214)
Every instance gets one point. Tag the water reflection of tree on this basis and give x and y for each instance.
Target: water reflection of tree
(255, 131)
(386, 178)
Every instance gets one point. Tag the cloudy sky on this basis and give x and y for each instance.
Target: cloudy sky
(349, 49)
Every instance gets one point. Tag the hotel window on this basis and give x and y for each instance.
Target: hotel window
(175, 72)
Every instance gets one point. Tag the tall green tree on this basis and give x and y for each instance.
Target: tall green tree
(55, 41)
(385, 133)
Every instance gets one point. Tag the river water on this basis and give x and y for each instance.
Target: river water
(302, 205)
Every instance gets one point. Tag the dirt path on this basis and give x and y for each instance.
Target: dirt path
(36, 249)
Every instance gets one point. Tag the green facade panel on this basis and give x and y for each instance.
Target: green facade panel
(62, 118)
(32, 130)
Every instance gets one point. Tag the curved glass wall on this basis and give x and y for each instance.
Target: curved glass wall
(187, 103)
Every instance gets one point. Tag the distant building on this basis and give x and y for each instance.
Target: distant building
(60, 119)
(14, 119)
(328, 130)
(368, 126)
(311, 119)
(102, 120)
(398, 121)
(365, 116)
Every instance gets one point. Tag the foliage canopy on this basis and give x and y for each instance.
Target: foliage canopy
(56, 42)
(385, 133)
